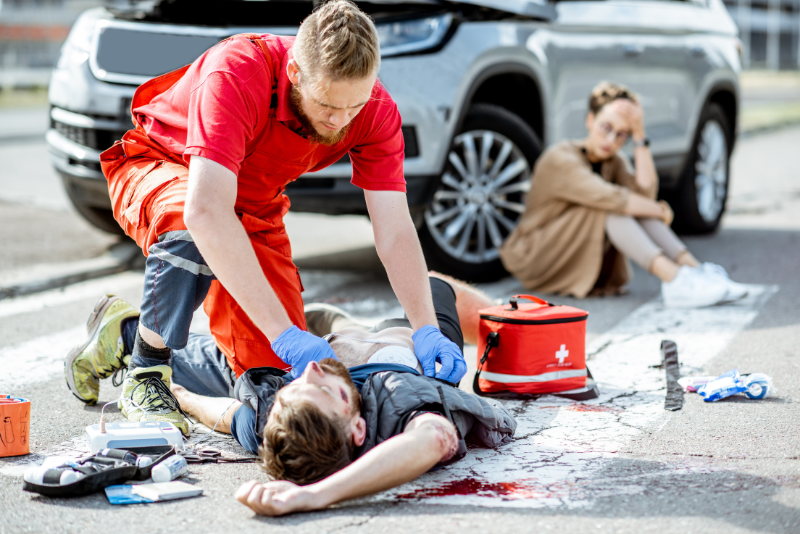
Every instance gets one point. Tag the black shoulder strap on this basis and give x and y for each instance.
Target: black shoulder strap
(492, 340)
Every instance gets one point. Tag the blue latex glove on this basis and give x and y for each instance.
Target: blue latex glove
(431, 346)
(298, 348)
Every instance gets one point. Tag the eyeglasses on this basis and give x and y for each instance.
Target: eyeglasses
(619, 136)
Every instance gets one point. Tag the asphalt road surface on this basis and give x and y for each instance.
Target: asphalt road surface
(620, 463)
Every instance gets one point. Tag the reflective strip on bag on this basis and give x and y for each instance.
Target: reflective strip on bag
(544, 377)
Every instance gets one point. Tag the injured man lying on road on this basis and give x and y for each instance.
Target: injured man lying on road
(349, 428)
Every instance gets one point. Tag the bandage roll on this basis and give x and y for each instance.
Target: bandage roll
(170, 469)
(759, 386)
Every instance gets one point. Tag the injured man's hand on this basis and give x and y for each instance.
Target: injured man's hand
(277, 498)
(427, 440)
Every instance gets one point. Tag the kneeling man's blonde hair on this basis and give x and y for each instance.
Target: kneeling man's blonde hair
(338, 41)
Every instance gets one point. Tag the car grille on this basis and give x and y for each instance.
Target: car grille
(103, 139)
(156, 53)
(90, 137)
(312, 183)
(410, 138)
(93, 165)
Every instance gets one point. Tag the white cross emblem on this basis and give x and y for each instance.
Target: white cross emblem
(561, 354)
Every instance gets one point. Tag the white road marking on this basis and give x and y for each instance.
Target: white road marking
(38, 359)
(67, 295)
(562, 447)
(669, 416)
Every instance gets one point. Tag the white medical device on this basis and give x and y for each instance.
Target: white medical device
(143, 434)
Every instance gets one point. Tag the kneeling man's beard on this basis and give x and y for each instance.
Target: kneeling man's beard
(295, 100)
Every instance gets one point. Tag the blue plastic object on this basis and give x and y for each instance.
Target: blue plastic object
(724, 385)
(123, 494)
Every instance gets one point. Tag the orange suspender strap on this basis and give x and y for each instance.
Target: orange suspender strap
(154, 87)
(160, 84)
(254, 38)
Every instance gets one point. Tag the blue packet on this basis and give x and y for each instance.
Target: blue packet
(724, 385)
(123, 494)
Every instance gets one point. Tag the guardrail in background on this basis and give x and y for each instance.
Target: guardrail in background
(770, 32)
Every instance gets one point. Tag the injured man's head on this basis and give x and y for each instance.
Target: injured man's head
(314, 425)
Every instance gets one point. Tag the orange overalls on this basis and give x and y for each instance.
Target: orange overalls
(148, 185)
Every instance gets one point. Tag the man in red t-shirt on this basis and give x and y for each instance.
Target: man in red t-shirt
(199, 185)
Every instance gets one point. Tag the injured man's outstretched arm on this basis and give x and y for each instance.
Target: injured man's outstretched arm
(426, 441)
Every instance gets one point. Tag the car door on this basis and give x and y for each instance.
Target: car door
(639, 43)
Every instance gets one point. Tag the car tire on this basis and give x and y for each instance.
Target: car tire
(481, 194)
(700, 199)
(100, 218)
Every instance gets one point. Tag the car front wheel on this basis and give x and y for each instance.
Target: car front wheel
(481, 194)
(704, 185)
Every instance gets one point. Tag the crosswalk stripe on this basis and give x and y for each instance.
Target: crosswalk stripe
(38, 359)
(561, 447)
(73, 293)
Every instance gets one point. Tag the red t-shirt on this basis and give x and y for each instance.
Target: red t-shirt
(221, 105)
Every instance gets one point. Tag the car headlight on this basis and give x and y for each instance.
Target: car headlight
(416, 35)
(79, 41)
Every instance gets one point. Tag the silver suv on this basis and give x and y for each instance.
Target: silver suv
(482, 86)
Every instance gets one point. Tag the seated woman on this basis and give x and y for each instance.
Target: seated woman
(587, 212)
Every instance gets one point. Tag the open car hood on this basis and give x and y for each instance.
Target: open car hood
(538, 9)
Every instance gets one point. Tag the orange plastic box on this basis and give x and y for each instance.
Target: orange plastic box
(15, 426)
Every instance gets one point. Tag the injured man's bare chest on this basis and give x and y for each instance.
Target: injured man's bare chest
(356, 346)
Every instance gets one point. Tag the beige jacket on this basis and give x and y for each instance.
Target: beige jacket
(559, 244)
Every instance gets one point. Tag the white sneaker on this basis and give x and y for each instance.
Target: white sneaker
(735, 291)
(692, 288)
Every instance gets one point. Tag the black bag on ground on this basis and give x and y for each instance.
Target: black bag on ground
(99, 471)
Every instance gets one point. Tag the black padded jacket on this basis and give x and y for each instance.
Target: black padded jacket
(390, 399)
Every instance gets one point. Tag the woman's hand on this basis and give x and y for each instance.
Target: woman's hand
(668, 214)
(277, 498)
(640, 206)
(633, 113)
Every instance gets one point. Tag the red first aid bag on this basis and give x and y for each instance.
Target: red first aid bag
(533, 349)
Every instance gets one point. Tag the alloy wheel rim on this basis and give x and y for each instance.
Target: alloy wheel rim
(481, 196)
(711, 169)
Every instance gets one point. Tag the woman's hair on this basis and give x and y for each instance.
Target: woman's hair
(606, 92)
(337, 40)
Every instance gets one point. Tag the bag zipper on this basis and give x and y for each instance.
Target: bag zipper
(507, 320)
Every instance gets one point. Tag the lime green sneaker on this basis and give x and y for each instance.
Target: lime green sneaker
(146, 397)
(103, 351)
